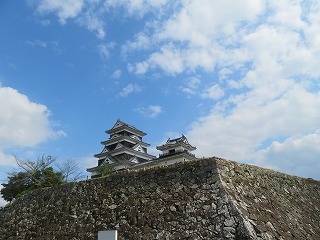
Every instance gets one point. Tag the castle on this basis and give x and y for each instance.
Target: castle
(125, 149)
(209, 198)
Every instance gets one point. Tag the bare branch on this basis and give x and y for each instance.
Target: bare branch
(31, 168)
(43, 162)
(70, 170)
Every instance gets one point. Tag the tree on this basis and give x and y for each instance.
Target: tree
(47, 177)
(33, 175)
(34, 170)
(70, 170)
(18, 183)
(105, 169)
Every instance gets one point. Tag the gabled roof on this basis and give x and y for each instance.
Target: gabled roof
(119, 145)
(181, 141)
(120, 126)
(108, 159)
(138, 148)
(119, 138)
(105, 150)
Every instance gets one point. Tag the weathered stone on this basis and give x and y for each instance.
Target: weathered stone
(269, 225)
(173, 208)
(113, 206)
(229, 222)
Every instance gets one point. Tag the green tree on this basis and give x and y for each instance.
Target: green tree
(105, 170)
(33, 175)
(47, 177)
(18, 183)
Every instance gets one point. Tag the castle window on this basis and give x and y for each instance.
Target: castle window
(172, 151)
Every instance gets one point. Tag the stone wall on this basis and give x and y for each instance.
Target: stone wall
(276, 205)
(203, 199)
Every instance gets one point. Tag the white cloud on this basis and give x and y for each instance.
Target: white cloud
(268, 55)
(297, 155)
(191, 86)
(151, 111)
(265, 54)
(116, 74)
(93, 24)
(235, 131)
(205, 34)
(136, 7)
(168, 59)
(91, 13)
(200, 22)
(52, 45)
(104, 49)
(87, 13)
(214, 92)
(141, 67)
(87, 162)
(154, 110)
(2, 201)
(22, 123)
(141, 42)
(276, 104)
(7, 160)
(196, 36)
(63, 8)
(37, 43)
(130, 67)
(224, 73)
(45, 22)
(287, 13)
(130, 88)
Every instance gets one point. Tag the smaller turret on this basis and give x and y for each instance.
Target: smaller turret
(176, 150)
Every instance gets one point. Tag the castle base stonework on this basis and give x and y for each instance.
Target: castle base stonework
(201, 199)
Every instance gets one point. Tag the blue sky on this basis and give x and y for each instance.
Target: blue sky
(239, 79)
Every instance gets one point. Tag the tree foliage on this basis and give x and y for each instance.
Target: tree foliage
(33, 175)
(18, 183)
(105, 170)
